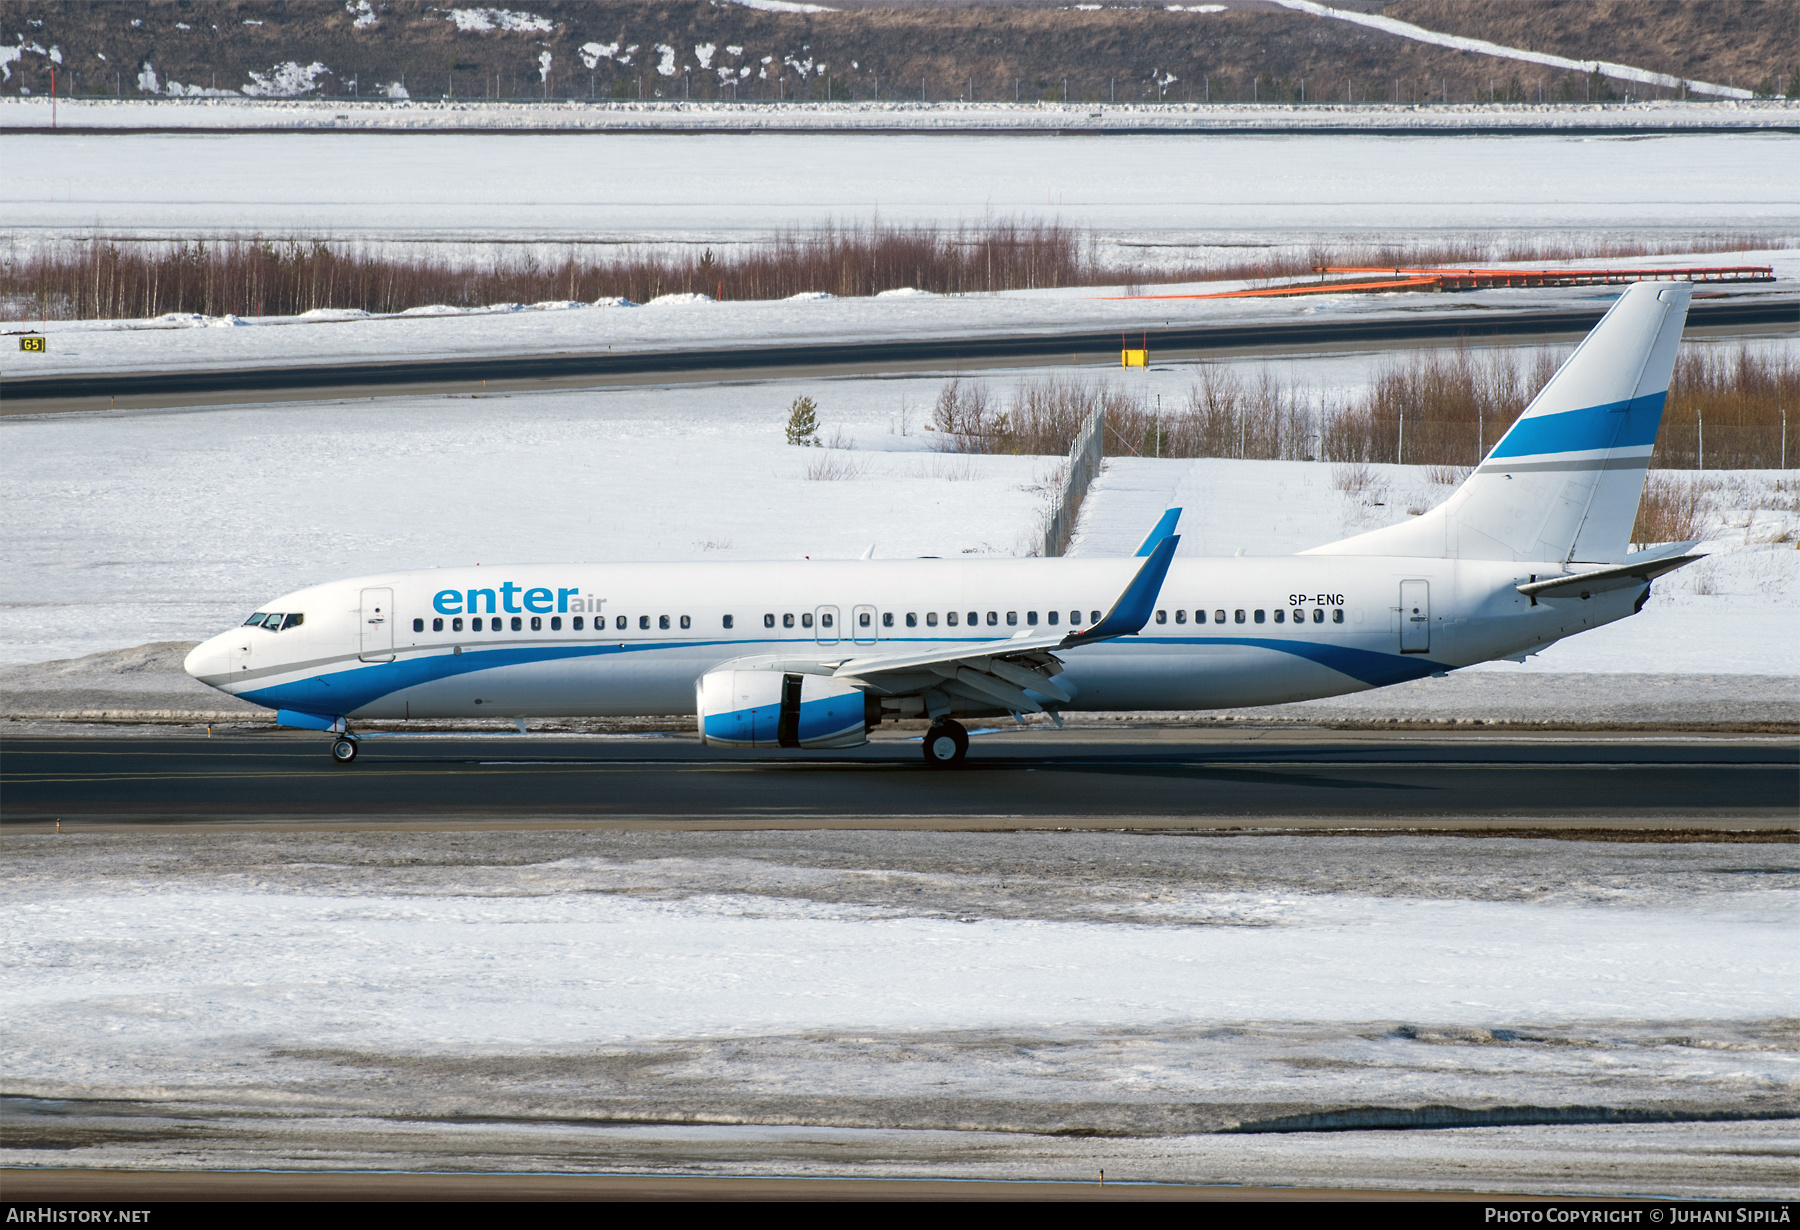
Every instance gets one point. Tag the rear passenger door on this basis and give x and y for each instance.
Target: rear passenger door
(1415, 616)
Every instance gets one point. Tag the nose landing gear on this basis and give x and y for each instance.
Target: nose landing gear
(343, 749)
(946, 744)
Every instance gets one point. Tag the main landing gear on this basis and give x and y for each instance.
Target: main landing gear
(343, 749)
(946, 744)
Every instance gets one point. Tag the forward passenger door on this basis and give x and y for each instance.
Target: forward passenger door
(377, 625)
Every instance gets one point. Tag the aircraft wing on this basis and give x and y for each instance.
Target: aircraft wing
(1002, 672)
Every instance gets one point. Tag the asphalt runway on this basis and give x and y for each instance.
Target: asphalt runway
(1142, 777)
(45, 394)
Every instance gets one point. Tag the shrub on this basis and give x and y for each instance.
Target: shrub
(803, 423)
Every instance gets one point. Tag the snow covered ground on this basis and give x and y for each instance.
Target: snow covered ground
(121, 529)
(1147, 986)
(1148, 191)
(423, 115)
(682, 322)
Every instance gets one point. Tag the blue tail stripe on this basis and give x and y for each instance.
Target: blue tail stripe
(1622, 424)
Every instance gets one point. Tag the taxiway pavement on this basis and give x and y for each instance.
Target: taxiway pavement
(1156, 777)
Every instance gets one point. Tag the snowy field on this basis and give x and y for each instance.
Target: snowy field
(188, 342)
(1141, 191)
(121, 529)
(1154, 986)
(899, 115)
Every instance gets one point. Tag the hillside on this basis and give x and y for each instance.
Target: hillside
(1249, 50)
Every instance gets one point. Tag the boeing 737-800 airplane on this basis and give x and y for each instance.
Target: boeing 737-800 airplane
(1532, 547)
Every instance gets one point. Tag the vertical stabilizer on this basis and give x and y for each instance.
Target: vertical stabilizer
(1563, 484)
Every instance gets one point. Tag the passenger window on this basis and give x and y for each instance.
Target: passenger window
(577, 623)
(1259, 617)
(662, 622)
(887, 619)
(537, 623)
(418, 625)
(950, 618)
(1162, 617)
(437, 625)
(974, 618)
(1012, 618)
(993, 618)
(1074, 619)
(686, 623)
(768, 621)
(475, 624)
(787, 621)
(1199, 617)
(1281, 616)
(1219, 617)
(292, 621)
(806, 620)
(1094, 618)
(912, 619)
(556, 623)
(644, 623)
(1031, 618)
(1337, 616)
(1052, 617)
(619, 623)
(931, 619)
(728, 622)
(825, 620)
(862, 620)
(1180, 617)
(456, 624)
(1238, 616)
(518, 625)
(255, 621)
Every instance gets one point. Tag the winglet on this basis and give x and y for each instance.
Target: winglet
(1132, 611)
(1163, 529)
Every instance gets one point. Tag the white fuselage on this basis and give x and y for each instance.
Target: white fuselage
(632, 639)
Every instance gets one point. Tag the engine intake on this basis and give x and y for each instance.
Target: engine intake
(751, 708)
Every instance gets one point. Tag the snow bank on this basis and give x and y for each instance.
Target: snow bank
(1480, 46)
(656, 115)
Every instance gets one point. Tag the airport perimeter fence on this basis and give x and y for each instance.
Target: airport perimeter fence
(1084, 467)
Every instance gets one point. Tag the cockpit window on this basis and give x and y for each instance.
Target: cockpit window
(291, 621)
(256, 619)
(273, 623)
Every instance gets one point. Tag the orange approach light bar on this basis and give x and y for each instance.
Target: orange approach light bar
(1470, 279)
(1475, 279)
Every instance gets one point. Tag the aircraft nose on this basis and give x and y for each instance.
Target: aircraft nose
(207, 660)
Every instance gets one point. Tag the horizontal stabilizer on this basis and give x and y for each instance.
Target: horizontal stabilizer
(1601, 580)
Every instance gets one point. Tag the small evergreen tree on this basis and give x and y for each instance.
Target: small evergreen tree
(1793, 90)
(803, 423)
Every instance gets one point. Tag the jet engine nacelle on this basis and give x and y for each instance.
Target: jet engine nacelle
(751, 708)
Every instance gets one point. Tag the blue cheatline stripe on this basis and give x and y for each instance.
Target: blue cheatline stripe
(1365, 665)
(1620, 424)
(347, 691)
